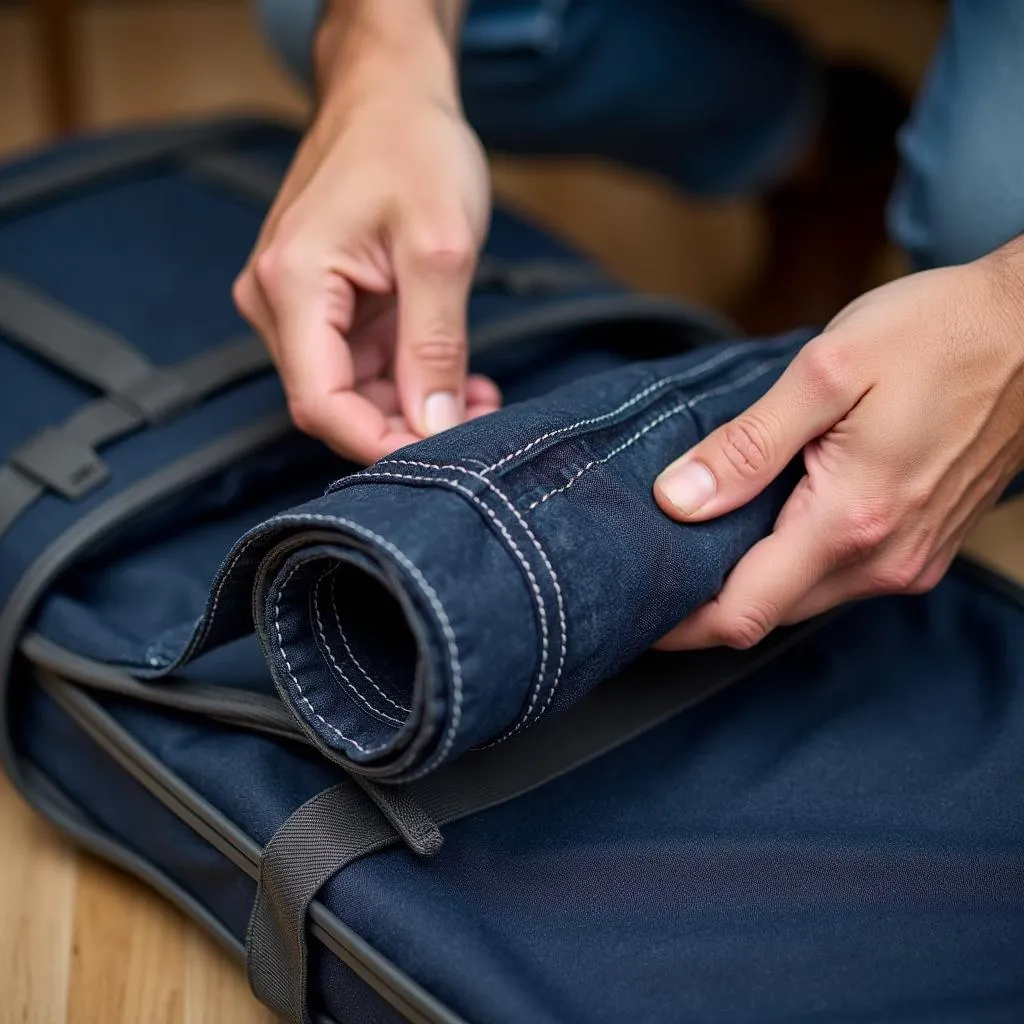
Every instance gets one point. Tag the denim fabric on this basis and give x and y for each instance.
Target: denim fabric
(960, 194)
(711, 94)
(455, 593)
(721, 98)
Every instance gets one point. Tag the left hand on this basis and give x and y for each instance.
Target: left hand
(909, 410)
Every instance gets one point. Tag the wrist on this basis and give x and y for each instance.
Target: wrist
(1004, 268)
(364, 46)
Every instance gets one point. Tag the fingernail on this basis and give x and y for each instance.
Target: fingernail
(688, 485)
(441, 411)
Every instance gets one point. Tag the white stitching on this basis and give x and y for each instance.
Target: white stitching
(672, 379)
(291, 671)
(428, 591)
(435, 603)
(330, 653)
(760, 369)
(534, 586)
(559, 600)
(677, 378)
(208, 622)
(355, 660)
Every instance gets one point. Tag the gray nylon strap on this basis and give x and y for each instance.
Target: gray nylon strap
(64, 458)
(537, 277)
(87, 351)
(17, 493)
(242, 709)
(324, 835)
(408, 816)
(247, 176)
(107, 160)
(654, 690)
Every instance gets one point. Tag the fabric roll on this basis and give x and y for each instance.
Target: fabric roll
(456, 593)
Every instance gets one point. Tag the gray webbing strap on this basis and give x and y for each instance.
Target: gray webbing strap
(654, 689)
(538, 277)
(243, 709)
(85, 350)
(107, 160)
(64, 458)
(17, 493)
(407, 815)
(321, 837)
(248, 177)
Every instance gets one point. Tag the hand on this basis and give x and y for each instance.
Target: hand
(909, 410)
(360, 277)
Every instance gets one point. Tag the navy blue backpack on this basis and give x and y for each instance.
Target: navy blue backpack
(394, 735)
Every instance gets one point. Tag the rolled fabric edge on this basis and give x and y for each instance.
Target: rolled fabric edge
(397, 626)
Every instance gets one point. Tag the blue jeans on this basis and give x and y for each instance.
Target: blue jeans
(721, 99)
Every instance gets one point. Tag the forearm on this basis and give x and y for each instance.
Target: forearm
(362, 44)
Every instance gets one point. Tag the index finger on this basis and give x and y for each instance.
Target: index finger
(316, 368)
(770, 579)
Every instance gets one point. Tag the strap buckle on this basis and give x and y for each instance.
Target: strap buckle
(61, 462)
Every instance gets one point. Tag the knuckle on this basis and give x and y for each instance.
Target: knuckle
(917, 499)
(826, 367)
(442, 352)
(267, 269)
(864, 530)
(894, 577)
(927, 581)
(747, 446)
(242, 294)
(306, 415)
(452, 252)
(277, 264)
(748, 627)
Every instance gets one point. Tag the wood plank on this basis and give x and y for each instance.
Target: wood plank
(216, 991)
(128, 961)
(37, 908)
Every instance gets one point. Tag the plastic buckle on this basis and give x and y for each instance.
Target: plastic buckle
(60, 462)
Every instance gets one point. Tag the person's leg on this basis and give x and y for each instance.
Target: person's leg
(710, 93)
(288, 26)
(961, 190)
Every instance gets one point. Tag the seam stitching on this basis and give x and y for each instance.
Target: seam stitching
(428, 592)
(559, 597)
(334, 661)
(431, 595)
(664, 381)
(521, 558)
(355, 661)
(758, 371)
(677, 378)
(291, 672)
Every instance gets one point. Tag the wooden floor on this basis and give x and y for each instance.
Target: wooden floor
(78, 941)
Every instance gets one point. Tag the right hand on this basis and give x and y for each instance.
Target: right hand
(360, 277)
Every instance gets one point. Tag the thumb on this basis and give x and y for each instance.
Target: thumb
(432, 355)
(739, 459)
